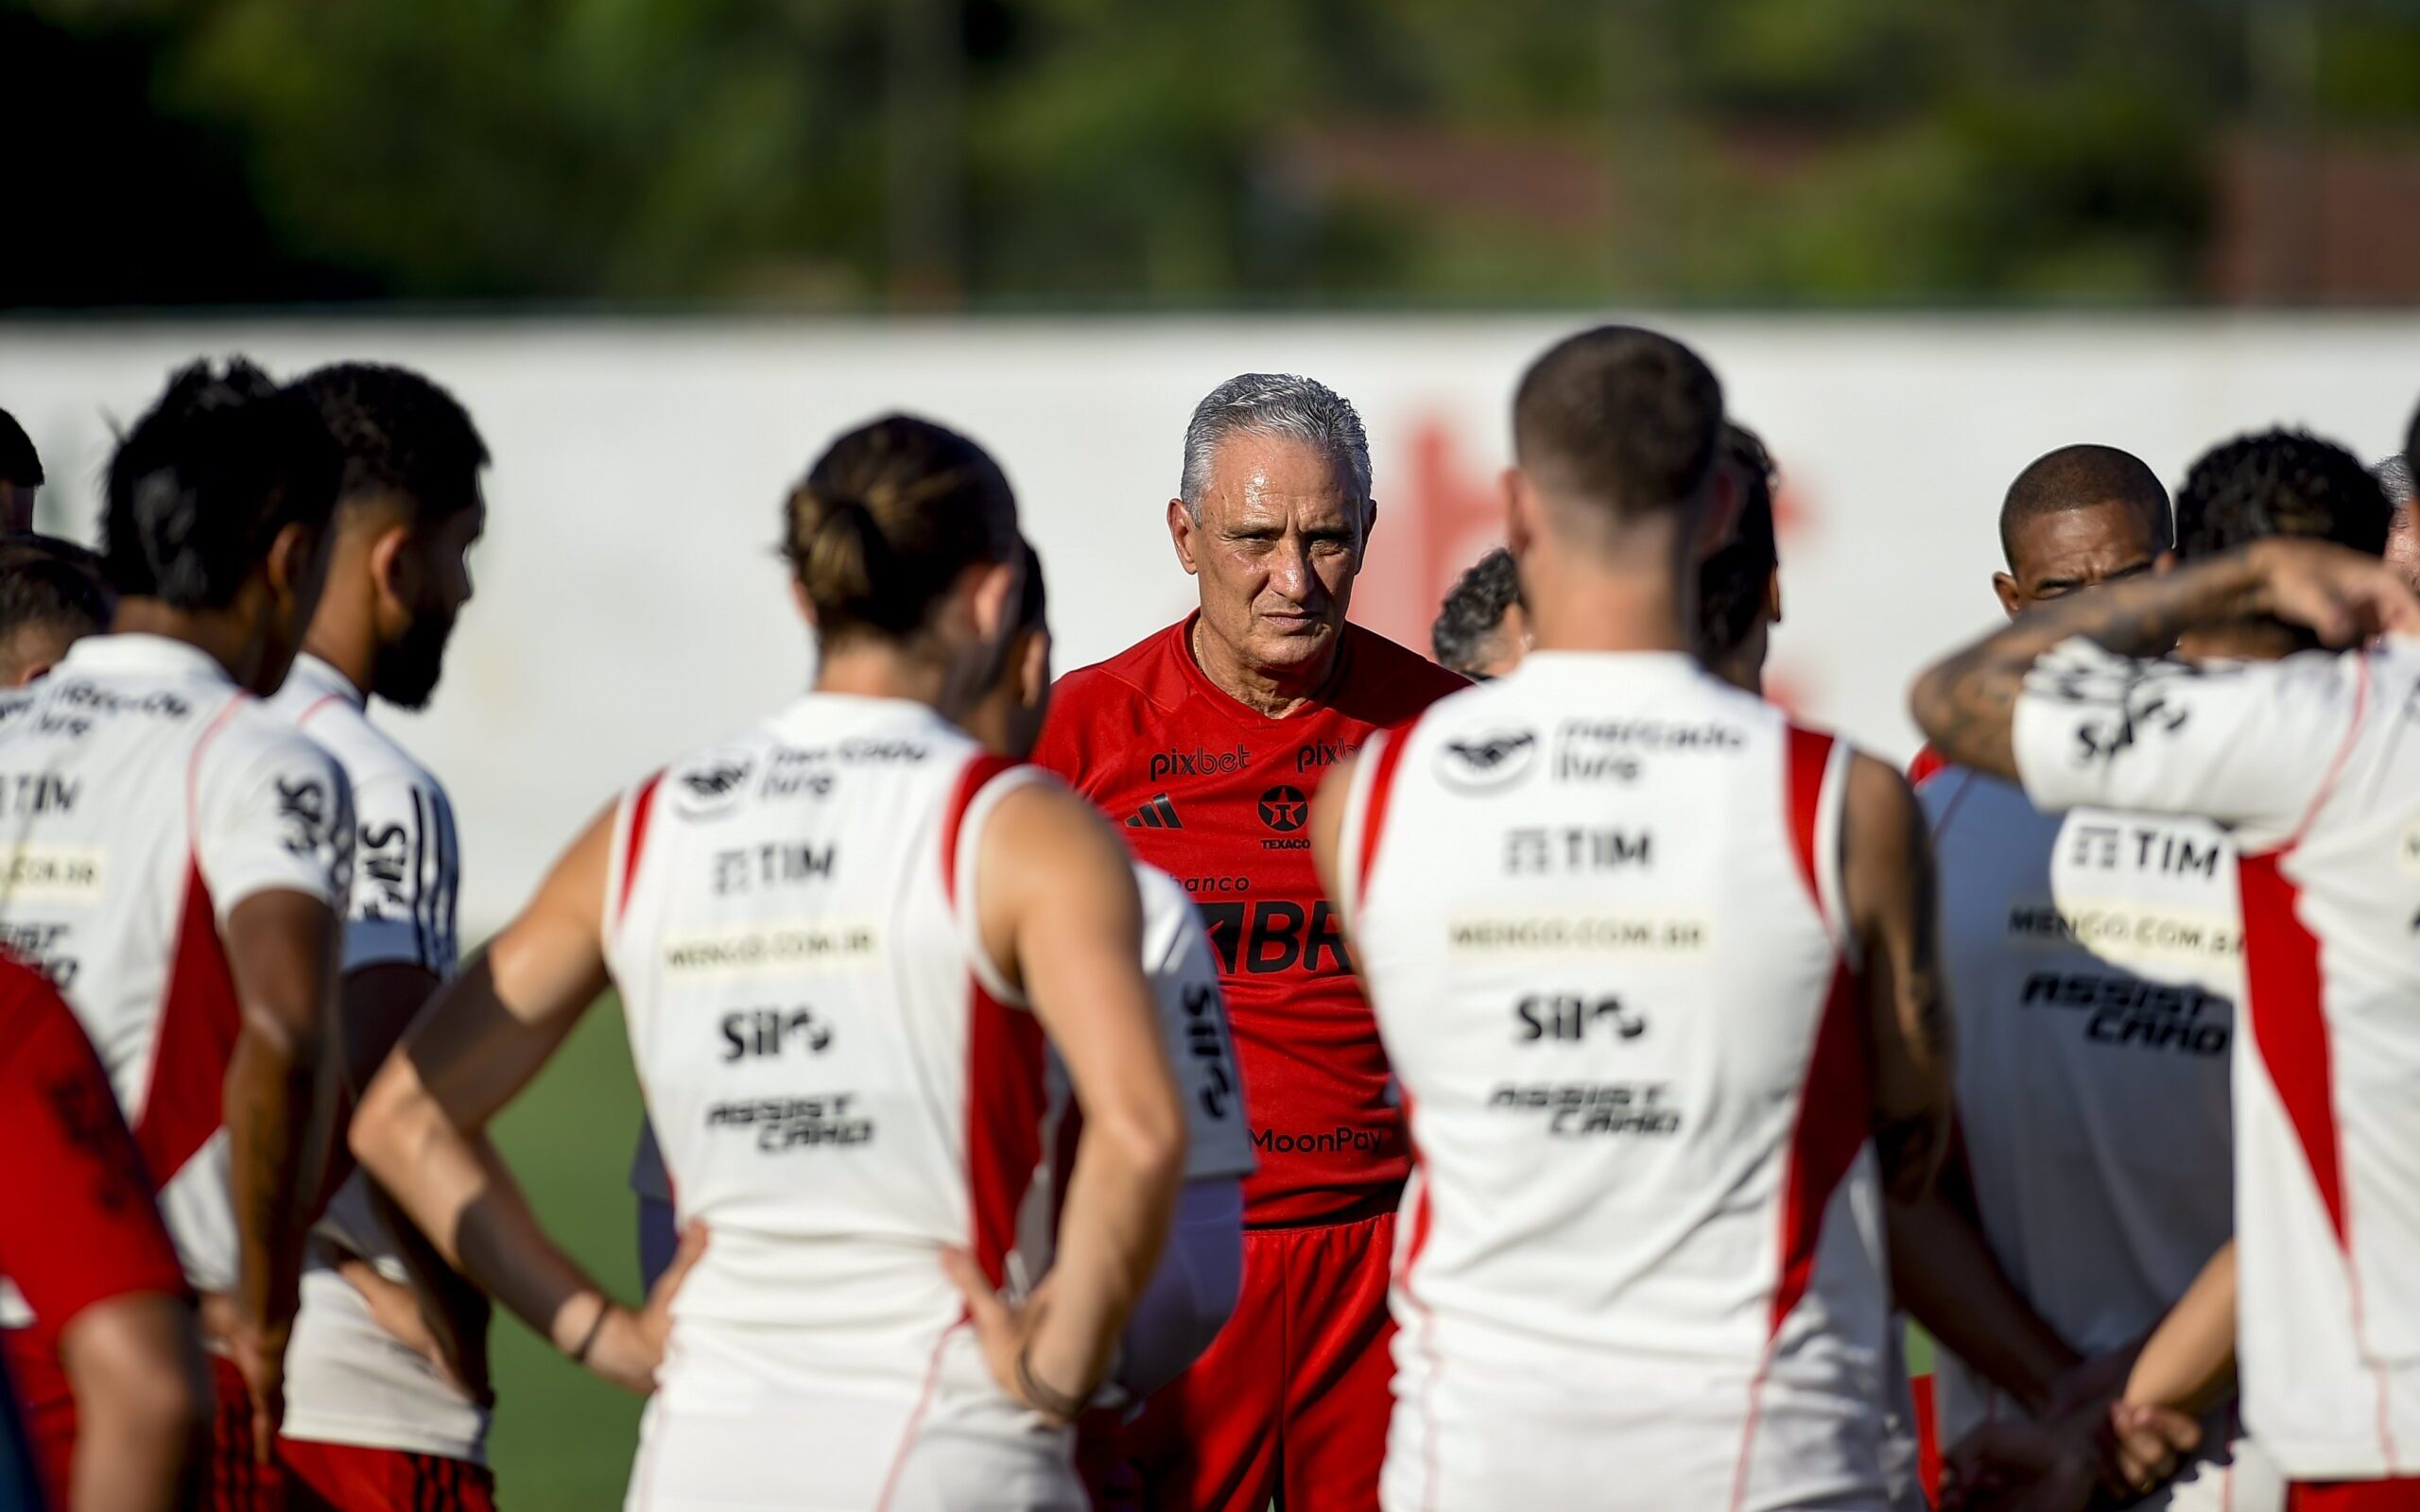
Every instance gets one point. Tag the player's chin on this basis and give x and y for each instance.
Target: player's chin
(1284, 638)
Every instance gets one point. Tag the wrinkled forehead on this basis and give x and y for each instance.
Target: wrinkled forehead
(2082, 544)
(1276, 479)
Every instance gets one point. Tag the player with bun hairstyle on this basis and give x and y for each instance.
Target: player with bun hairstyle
(844, 938)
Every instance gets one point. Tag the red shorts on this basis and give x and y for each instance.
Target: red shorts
(345, 1478)
(45, 1405)
(1290, 1400)
(2354, 1496)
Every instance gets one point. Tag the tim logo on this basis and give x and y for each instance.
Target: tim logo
(1284, 809)
(1477, 764)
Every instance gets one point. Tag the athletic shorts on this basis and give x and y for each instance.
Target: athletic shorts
(230, 1479)
(1290, 1400)
(2355, 1496)
(733, 1427)
(347, 1478)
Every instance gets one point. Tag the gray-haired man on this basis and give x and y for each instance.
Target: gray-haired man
(1206, 741)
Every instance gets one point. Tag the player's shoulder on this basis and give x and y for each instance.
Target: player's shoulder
(371, 757)
(1388, 683)
(252, 737)
(1147, 670)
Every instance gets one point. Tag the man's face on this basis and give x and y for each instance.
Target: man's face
(2051, 556)
(1279, 541)
(2403, 546)
(423, 582)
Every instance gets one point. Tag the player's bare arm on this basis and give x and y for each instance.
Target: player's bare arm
(422, 1129)
(1059, 912)
(2188, 1362)
(1966, 704)
(439, 1313)
(1327, 821)
(1887, 875)
(1946, 1279)
(282, 950)
(141, 1406)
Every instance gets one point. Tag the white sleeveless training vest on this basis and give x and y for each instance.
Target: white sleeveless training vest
(842, 1086)
(1599, 907)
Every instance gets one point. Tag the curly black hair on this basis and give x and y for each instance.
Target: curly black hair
(50, 584)
(2279, 483)
(1474, 610)
(406, 442)
(207, 478)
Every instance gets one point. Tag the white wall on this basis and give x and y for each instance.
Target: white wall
(629, 605)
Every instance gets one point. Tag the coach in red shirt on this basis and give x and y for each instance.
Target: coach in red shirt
(1206, 742)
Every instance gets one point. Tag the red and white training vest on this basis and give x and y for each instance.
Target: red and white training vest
(1599, 908)
(840, 1080)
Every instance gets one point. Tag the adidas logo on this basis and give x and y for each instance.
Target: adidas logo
(1159, 813)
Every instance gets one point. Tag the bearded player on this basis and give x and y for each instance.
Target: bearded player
(381, 1419)
(1205, 741)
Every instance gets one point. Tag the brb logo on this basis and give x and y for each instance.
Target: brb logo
(1284, 809)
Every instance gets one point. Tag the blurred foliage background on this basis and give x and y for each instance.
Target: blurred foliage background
(947, 154)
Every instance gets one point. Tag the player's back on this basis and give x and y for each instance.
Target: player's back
(2093, 960)
(1600, 921)
(838, 1083)
(143, 796)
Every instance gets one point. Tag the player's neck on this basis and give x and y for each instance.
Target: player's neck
(1608, 611)
(1272, 692)
(878, 669)
(351, 655)
(236, 644)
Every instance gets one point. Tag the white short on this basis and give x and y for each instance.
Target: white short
(719, 1444)
(1624, 1444)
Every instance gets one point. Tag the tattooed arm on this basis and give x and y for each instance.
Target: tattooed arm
(1887, 873)
(1966, 705)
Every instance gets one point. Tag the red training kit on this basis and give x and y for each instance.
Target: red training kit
(1291, 1400)
(1218, 796)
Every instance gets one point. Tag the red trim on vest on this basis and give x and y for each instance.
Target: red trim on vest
(199, 1019)
(316, 705)
(1373, 816)
(2283, 984)
(1810, 754)
(971, 782)
(1007, 1099)
(634, 843)
(1833, 1106)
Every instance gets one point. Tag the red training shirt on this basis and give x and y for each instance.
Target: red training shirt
(1218, 796)
(77, 1224)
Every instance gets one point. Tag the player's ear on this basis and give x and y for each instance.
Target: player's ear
(391, 567)
(805, 605)
(1183, 528)
(998, 584)
(1033, 668)
(1719, 519)
(2011, 601)
(2163, 564)
(297, 565)
(1773, 596)
(1369, 521)
(1519, 504)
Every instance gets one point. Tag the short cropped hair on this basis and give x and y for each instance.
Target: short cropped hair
(202, 486)
(405, 440)
(1620, 418)
(1731, 582)
(2083, 476)
(47, 584)
(1473, 611)
(19, 464)
(1272, 403)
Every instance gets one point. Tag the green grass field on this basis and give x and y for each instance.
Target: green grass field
(562, 1441)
